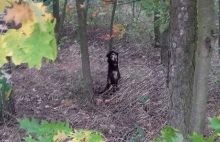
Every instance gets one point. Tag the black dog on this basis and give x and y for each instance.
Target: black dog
(113, 71)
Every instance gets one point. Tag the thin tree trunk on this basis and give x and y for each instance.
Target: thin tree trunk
(164, 43)
(156, 30)
(182, 47)
(203, 64)
(82, 30)
(56, 14)
(219, 26)
(87, 7)
(111, 25)
(133, 11)
(164, 40)
(62, 20)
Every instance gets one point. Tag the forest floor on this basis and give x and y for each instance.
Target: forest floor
(52, 93)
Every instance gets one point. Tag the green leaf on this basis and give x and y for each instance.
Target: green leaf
(143, 99)
(5, 86)
(95, 138)
(171, 135)
(78, 135)
(218, 81)
(31, 126)
(140, 131)
(214, 123)
(199, 138)
(133, 139)
(29, 139)
(164, 26)
(30, 49)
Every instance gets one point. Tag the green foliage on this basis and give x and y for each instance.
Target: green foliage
(140, 135)
(162, 10)
(199, 138)
(143, 99)
(43, 131)
(5, 86)
(33, 41)
(169, 134)
(30, 49)
(5, 95)
(215, 124)
(56, 131)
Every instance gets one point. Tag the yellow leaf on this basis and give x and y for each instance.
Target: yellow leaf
(27, 28)
(18, 13)
(118, 30)
(61, 136)
(4, 3)
(40, 14)
(8, 94)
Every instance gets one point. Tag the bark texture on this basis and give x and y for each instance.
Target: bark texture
(62, 20)
(156, 28)
(56, 14)
(111, 25)
(182, 47)
(205, 43)
(164, 40)
(82, 30)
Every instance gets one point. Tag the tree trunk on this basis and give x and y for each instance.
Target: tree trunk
(156, 30)
(164, 43)
(206, 26)
(56, 15)
(82, 30)
(62, 20)
(164, 40)
(111, 25)
(182, 47)
(219, 26)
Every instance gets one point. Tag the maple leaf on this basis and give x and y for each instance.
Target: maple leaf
(12, 45)
(5, 3)
(30, 49)
(27, 28)
(118, 30)
(32, 42)
(18, 13)
(40, 14)
(2, 53)
(59, 137)
(37, 46)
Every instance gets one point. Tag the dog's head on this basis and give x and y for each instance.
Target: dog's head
(112, 57)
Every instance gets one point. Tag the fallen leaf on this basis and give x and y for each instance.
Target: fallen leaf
(82, 6)
(61, 136)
